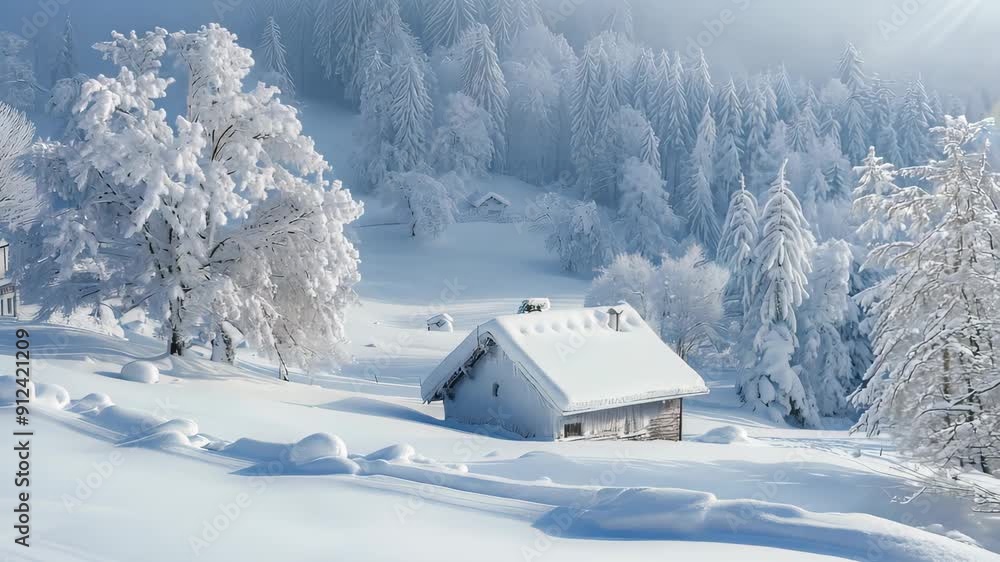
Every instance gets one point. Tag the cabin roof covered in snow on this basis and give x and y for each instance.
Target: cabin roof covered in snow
(577, 360)
(439, 318)
(478, 201)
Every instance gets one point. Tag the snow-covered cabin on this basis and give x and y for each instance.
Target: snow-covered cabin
(565, 374)
(490, 204)
(441, 323)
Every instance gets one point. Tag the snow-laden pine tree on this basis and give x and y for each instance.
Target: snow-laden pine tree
(427, 206)
(17, 74)
(737, 244)
(341, 29)
(19, 201)
(464, 142)
(627, 135)
(698, 89)
(728, 148)
(823, 355)
(803, 133)
(770, 384)
(65, 64)
(507, 19)
(271, 58)
(851, 70)
(646, 76)
(648, 221)
(533, 123)
(411, 112)
(934, 383)
(854, 134)
(447, 20)
(877, 181)
(756, 129)
(483, 81)
(784, 95)
(585, 101)
(675, 126)
(914, 123)
(881, 112)
(221, 218)
(702, 219)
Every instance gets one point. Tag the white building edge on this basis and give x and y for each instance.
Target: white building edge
(586, 373)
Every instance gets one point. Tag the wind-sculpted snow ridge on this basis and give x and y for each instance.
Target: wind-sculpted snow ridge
(586, 512)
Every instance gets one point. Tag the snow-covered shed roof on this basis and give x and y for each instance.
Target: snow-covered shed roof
(577, 360)
(444, 317)
(481, 199)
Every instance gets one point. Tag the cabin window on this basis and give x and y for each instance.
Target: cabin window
(573, 430)
(496, 389)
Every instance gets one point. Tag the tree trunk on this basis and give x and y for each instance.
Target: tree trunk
(176, 345)
(223, 350)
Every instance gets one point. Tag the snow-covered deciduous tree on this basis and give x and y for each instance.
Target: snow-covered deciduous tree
(272, 58)
(737, 244)
(629, 278)
(425, 201)
(483, 81)
(19, 200)
(688, 295)
(17, 74)
(464, 142)
(771, 385)
(648, 221)
(65, 64)
(447, 20)
(700, 198)
(576, 231)
(934, 383)
(824, 356)
(222, 216)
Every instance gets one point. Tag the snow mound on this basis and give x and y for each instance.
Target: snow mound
(665, 514)
(49, 395)
(394, 453)
(92, 403)
(315, 447)
(140, 371)
(725, 435)
(126, 421)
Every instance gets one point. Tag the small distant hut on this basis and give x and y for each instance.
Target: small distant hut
(490, 204)
(441, 323)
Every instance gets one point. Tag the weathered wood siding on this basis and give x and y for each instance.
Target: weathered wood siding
(653, 421)
(517, 405)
